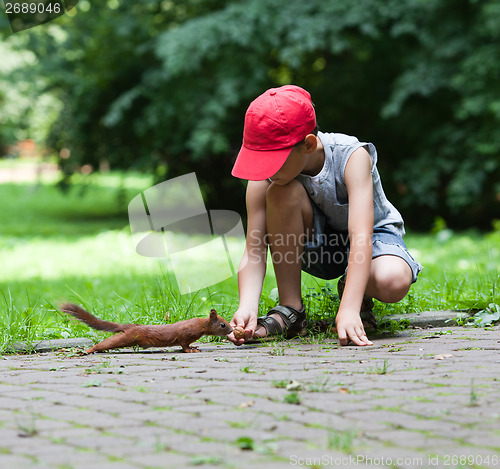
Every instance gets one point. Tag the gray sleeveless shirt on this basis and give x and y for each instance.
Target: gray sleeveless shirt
(328, 190)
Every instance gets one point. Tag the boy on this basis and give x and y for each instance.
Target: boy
(317, 201)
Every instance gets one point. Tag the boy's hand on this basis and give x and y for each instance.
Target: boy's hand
(350, 327)
(247, 321)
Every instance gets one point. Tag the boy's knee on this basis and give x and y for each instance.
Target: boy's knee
(289, 194)
(392, 285)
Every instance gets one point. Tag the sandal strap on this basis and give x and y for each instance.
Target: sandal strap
(291, 317)
(271, 325)
(288, 314)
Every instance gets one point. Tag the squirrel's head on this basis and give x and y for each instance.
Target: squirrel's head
(218, 325)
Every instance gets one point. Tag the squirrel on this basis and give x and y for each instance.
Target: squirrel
(181, 333)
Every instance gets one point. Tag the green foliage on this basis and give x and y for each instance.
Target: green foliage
(245, 443)
(452, 79)
(292, 398)
(19, 119)
(488, 316)
(163, 86)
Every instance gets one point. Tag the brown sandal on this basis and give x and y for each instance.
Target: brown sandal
(295, 324)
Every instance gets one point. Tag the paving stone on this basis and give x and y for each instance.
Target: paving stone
(403, 438)
(47, 345)
(123, 410)
(161, 459)
(51, 454)
(326, 420)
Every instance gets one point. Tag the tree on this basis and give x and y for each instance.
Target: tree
(164, 86)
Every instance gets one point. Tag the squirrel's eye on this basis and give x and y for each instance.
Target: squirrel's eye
(222, 325)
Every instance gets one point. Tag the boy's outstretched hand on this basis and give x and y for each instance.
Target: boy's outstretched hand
(245, 320)
(350, 328)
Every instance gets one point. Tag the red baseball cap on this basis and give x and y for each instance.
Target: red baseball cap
(274, 122)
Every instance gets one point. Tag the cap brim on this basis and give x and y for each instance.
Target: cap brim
(256, 165)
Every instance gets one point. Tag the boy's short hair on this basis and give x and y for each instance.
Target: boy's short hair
(275, 122)
(313, 132)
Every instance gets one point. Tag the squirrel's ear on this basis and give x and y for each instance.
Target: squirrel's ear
(213, 314)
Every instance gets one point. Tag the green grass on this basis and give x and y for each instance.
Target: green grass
(76, 245)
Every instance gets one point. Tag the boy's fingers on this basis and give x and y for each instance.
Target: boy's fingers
(235, 322)
(248, 332)
(234, 340)
(350, 335)
(342, 337)
(251, 325)
(356, 336)
(248, 335)
(362, 335)
(363, 338)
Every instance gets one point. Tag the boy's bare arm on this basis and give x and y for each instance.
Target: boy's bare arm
(253, 264)
(359, 185)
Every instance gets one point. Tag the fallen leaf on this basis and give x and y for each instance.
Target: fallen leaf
(443, 356)
(93, 383)
(344, 391)
(244, 405)
(293, 386)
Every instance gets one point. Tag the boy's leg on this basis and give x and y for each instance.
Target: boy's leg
(289, 219)
(390, 279)
(393, 268)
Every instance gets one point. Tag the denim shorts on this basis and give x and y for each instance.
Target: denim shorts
(327, 253)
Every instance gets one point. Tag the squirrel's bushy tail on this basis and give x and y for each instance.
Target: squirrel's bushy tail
(91, 320)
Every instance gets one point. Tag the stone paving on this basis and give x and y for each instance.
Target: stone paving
(424, 398)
